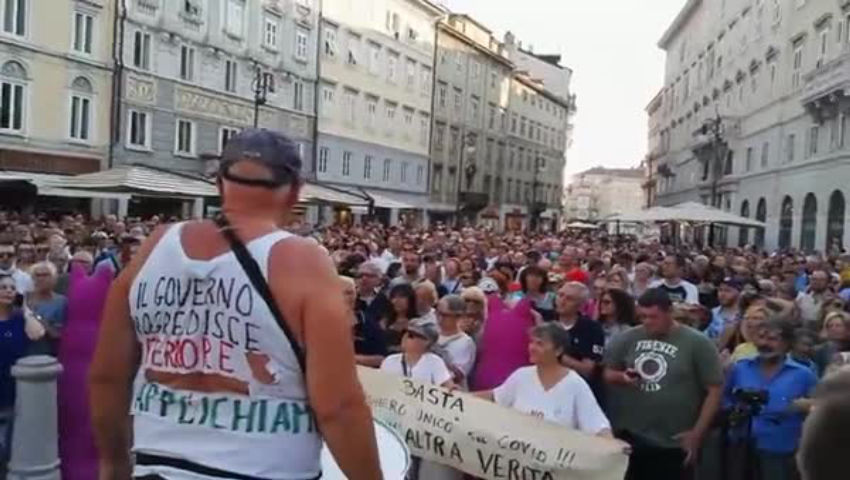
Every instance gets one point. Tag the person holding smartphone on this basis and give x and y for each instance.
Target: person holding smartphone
(666, 381)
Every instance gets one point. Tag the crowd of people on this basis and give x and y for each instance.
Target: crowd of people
(670, 349)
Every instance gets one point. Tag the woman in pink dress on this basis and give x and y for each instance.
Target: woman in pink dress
(503, 345)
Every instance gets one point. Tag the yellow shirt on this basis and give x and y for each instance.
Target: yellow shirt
(744, 350)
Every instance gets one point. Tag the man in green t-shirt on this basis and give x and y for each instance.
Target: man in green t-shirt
(666, 383)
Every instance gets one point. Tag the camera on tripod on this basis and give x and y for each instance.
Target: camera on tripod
(748, 404)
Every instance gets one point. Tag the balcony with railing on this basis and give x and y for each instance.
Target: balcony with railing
(827, 86)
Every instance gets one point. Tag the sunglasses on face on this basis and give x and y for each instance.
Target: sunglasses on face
(6, 255)
(414, 335)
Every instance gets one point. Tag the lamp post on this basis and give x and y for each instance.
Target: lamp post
(263, 84)
(714, 128)
(468, 146)
(533, 210)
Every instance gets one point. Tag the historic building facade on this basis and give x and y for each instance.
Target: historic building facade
(469, 140)
(195, 72)
(598, 193)
(755, 117)
(377, 60)
(55, 85)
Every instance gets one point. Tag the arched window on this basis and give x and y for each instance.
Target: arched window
(835, 222)
(761, 215)
(744, 232)
(80, 111)
(12, 96)
(729, 167)
(786, 222)
(810, 223)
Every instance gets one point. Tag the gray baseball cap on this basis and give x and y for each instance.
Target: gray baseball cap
(266, 147)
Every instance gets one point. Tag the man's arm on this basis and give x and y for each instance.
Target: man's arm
(591, 348)
(112, 370)
(319, 312)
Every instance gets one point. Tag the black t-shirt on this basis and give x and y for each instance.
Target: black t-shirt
(368, 337)
(587, 341)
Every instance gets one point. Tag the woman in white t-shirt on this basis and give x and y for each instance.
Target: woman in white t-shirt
(550, 391)
(416, 361)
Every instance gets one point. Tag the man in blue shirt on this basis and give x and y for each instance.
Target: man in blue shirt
(777, 427)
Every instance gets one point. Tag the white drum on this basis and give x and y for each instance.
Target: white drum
(395, 457)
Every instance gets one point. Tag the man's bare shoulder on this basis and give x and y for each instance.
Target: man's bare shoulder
(300, 255)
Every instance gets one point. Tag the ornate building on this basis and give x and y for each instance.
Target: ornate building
(754, 117)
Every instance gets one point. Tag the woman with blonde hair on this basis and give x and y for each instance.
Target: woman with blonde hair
(836, 331)
(476, 311)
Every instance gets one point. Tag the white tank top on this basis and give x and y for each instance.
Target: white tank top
(218, 384)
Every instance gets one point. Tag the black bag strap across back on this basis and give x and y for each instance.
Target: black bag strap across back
(255, 275)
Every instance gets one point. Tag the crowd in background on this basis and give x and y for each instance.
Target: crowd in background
(674, 350)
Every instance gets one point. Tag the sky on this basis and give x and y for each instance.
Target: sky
(611, 46)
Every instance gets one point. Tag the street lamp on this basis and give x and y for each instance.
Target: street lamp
(469, 172)
(262, 85)
(533, 210)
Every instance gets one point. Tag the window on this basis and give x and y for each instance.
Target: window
(408, 118)
(235, 18)
(823, 48)
(387, 168)
(371, 111)
(522, 126)
(328, 97)
(192, 8)
(420, 174)
(403, 172)
(423, 129)
(842, 129)
(374, 58)
(475, 68)
(324, 154)
(425, 81)
(437, 179)
(224, 136)
(83, 25)
(187, 63)
(353, 48)
(439, 136)
(185, 138)
(138, 132)
(442, 93)
(301, 40)
(459, 62)
(474, 106)
(367, 167)
(393, 23)
(270, 33)
(411, 74)
(491, 116)
(15, 17)
(391, 109)
(749, 164)
(81, 109)
(392, 62)
(346, 163)
(789, 148)
(494, 79)
(814, 132)
(350, 104)
(142, 50)
(765, 154)
(458, 100)
(230, 75)
(798, 65)
(297, 95)
(12, 100)
(330, 41)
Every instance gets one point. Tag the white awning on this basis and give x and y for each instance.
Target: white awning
(686, 212)
(141, 181)
(78, 193)
(313, 193)
(394, 201)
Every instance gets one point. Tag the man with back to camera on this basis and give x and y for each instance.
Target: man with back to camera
(230, 383)
(667, 386)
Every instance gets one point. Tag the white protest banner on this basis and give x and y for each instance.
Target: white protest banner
(485, 439)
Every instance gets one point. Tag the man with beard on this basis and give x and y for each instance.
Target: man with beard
(777, 427)
(810, 301)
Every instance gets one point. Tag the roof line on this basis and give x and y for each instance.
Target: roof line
(678, 22)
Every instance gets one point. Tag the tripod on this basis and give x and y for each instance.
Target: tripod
(732, 422)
